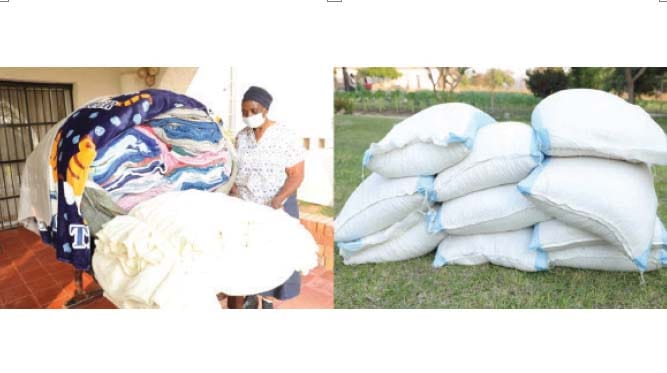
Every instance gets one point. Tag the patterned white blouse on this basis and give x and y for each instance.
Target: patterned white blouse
(262, 164)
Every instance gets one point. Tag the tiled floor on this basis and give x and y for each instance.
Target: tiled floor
(317, 291)
(31, 277)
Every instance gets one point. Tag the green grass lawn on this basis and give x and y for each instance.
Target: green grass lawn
(415, 284)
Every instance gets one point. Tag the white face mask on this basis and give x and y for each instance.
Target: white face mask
(254, 121)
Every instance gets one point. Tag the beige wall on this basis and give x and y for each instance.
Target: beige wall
(92, 82)
(89, 82)
(175, 79)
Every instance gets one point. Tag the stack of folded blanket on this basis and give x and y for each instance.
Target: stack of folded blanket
(125, 149)
(180, 150)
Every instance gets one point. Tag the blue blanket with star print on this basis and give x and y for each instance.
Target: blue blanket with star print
(82, 135)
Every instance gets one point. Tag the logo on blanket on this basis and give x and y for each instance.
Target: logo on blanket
(103, 104)
(81, 236)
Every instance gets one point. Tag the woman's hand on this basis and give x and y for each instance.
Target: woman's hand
(294, 179)
(234, 191)
(277, 203)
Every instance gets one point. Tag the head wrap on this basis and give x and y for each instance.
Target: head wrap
(258, 94)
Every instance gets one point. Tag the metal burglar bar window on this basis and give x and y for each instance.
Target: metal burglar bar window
(27, 112)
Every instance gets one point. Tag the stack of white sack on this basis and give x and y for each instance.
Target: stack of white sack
(596, 178)
(385, 217)
(584, 163)
(383, 220)
(486, 217)
(180, 249)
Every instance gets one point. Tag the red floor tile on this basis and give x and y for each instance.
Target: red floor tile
(7, 273)
(25, 264)
(55, 266)
(308, 299)
(47, 295)
(321, 284)
(316, 291)
(329, 276)
(13, 252)
(45, 255)
(4, 260)
(23, 302)
(15, 291)
(39, 282)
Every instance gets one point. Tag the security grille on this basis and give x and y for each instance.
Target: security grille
(27, 112)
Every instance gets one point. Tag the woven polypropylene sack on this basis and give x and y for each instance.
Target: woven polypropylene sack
(493, 210)
(379, 202)
(394, 231)
(504, 153)
(612, 199)
(415, 242)
(507, 249)
(427, 142)
(552, 235)
(605, 258)
(587, 122)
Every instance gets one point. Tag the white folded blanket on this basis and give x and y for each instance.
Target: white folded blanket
(180, 249)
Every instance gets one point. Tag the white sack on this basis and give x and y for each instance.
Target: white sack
(504, 153)
(507, 249)
(497, 209)
(587, 122)
(612, 199)
(413, 243)
(427, 142)
(604, 258)
(552, 235)
(394, 231)
(379, 202)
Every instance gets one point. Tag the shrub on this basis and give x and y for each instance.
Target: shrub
(344, 104)
(543, 81)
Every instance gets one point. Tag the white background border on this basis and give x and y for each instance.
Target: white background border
(313, 32)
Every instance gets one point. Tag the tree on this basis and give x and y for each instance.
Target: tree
(346, 80)
(496, 78)
(590, 77)
(447, 78)
(631, 76)
(543, 81)
(635, 81)
(379, 72)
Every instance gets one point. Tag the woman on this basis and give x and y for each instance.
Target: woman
(270, 171)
